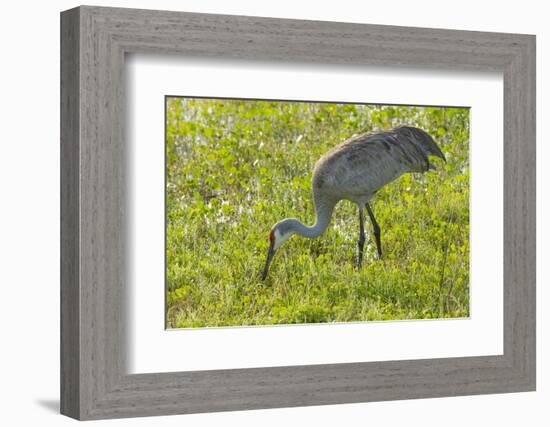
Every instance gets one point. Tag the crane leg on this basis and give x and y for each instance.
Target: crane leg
(376, 231)
(361, 241)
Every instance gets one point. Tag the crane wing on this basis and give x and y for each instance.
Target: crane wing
(362, 164)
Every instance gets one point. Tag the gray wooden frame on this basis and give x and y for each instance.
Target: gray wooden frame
(94, 382)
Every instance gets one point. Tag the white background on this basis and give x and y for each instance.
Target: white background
(29, 218)
(152, 349)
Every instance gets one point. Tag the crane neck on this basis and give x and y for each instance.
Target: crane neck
(323, 213)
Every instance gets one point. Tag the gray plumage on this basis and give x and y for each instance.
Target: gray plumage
(358, 167)
(355, 170)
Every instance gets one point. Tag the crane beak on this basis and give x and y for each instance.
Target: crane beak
(270, 254)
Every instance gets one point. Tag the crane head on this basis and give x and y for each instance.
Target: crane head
(270, 253)
(278, 234)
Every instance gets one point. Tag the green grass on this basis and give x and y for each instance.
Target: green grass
(234, 168)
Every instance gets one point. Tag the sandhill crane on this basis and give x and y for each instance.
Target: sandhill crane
(355, 170)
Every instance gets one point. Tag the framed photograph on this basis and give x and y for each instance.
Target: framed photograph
(261, 213)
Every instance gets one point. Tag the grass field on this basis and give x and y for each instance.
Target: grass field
(234, 168)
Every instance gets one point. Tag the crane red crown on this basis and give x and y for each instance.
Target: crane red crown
(271, 235)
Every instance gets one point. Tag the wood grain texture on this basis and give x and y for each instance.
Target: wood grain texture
(70, 292)
(95, 275)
